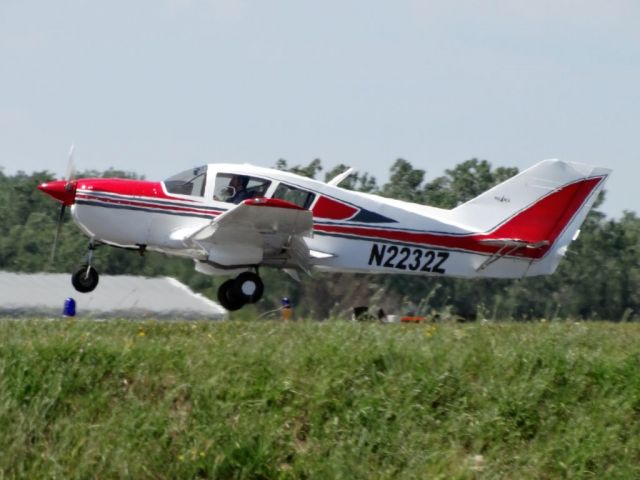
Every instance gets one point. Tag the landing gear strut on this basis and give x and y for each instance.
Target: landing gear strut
(85, 278)
(245, 288)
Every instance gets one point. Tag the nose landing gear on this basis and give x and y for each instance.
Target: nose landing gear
(236, 293)
(85, 278)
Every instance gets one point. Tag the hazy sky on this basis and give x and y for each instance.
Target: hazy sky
(158, 86)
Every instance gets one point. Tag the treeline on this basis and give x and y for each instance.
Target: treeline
(598, 279)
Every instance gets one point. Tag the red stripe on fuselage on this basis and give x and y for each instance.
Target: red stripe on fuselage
(134, 193)
(141, 204)
(125, 186)
(543, 220)
(332, 209)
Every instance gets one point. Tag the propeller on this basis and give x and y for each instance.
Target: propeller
(69, 177)
(71, 168)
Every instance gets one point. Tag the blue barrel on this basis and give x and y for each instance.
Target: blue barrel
(69, 309)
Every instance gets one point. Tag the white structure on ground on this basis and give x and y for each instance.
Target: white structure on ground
(119, 296)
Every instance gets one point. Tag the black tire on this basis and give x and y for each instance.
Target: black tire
(249, 287)
(85, 279)
(227, 297)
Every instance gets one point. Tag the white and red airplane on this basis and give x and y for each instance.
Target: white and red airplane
(233, 219)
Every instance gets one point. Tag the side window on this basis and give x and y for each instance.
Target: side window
(233, 188)
(190, 182)
(295, 195)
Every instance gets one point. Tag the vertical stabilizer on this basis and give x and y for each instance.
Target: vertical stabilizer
(543, 205)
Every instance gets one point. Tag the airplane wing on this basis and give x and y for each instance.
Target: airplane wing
(257, 231)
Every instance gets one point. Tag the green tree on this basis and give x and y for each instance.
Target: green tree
(465, 181)
(311, 170)
(361, 182)
(405, 182)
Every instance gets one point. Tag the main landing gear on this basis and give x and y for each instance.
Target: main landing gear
(236, 293)
(85, 278)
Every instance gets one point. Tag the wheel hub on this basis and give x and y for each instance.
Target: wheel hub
(248, 288)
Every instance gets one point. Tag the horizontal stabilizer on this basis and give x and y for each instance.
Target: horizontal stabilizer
(508, 246)
(513, 242)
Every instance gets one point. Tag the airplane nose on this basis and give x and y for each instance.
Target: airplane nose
(61, 190)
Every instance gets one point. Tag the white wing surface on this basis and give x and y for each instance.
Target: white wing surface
(257, 231)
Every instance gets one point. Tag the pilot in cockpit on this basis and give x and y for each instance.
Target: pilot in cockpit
(239, 184)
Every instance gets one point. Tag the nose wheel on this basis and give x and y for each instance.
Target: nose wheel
(85, 278)
(245, 288)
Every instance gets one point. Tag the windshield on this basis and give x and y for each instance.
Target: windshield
(190, 182)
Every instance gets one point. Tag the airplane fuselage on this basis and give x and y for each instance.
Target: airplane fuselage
(353, 232)
(232, 219)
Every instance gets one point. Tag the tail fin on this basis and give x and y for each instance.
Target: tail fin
(541, 208)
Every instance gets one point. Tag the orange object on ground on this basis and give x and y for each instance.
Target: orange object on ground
(286, 312)
(414, 319)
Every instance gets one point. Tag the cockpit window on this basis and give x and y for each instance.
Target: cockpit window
(190, 182)
(234, 188)
(295, 195)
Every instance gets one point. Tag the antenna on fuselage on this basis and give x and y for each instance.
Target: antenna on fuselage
(339, 178)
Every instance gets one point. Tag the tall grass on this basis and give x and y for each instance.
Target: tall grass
(318, 400)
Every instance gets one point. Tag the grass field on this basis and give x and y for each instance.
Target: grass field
(83, 399)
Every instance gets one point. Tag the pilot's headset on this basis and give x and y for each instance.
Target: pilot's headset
(228, 192)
